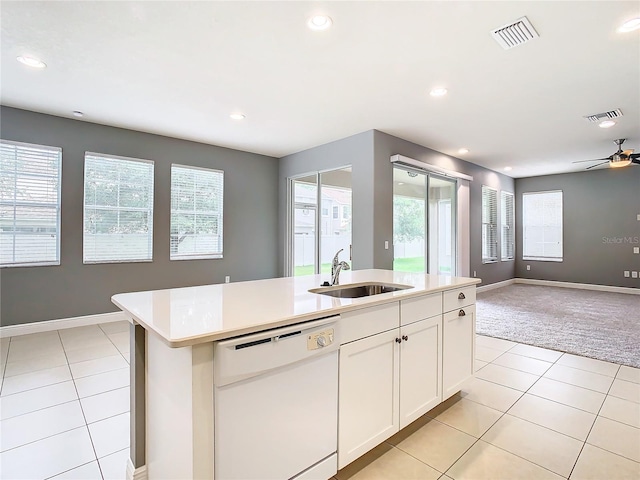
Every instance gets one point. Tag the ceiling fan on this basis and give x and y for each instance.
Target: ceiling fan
(619, 159)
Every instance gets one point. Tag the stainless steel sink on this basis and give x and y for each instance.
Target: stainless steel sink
(357, 290)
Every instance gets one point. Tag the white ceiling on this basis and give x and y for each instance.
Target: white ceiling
(180, 68)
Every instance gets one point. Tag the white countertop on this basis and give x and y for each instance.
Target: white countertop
(191, 315)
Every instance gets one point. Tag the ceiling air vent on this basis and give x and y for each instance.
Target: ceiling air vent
(598, 117)
(515, 33)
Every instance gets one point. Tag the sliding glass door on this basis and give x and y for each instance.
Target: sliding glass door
(321, 218)
(424, 220)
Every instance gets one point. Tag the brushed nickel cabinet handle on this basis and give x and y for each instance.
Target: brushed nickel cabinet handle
(461, 313)
(461, 296)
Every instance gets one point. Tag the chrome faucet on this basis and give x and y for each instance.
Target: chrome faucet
(337, 267)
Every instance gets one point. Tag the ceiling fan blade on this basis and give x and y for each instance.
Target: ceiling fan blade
(634, 155)
(636, 160)
(596, 165)
(596, 160)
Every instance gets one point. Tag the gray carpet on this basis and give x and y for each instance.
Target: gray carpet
(595, 324)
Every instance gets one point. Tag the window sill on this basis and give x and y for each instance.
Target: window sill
(543, 259)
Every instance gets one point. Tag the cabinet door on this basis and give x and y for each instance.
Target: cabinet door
(420, 381)
(368, 394)
(458, 348)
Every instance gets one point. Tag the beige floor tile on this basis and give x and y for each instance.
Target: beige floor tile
(20, 351)
(110, 435)
(99, 365)
(115, 327)
(508, 377)
(546, 448)
(88, 471)
(36, 399)
(34, 364)
(597, 464)
(555, 416)
(629, 374)
(436, 444)
(621, 410)
(580, 378)
(495, 343)
(29, 381)
(627, 390)
(394, 464)
(536, 352)
(114, 466)
(81, 343)
(4, 351)
(589, 364)
(54, 455)
(34, 426)
(484, 461)
(102, 382)
(105, 405)
(365, 460)
(91, 353)
(469, 417)
(490, 394)
(51, 334)
(616, 437)
(121, 341)
(87, 331)
(522, 363)
(577, 397)
(487, 354)
(478, 364)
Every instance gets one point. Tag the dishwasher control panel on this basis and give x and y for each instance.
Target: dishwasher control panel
(320, 339)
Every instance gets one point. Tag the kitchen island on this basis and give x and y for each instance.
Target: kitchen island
(175, 333)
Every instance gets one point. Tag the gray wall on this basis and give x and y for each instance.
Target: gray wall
(598, 207)
(32, 294)
(369, 154)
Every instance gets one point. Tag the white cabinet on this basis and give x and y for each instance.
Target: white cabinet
(420, 368)
(368, 394)
(458, 344)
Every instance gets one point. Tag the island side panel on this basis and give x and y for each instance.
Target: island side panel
(137, 344)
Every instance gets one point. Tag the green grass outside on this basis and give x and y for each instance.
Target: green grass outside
(411, 264)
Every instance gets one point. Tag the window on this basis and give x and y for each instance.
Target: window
(196, 212)
(542, 226)
(118, 209)
(346, 212)
(489, 225)
(325, 208)
(29, 204)
(336, 213)
(507, 222)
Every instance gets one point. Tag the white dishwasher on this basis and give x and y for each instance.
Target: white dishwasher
(276, 403)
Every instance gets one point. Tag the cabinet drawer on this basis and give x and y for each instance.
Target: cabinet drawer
(458, 298)
(368, 321)
(414, 309)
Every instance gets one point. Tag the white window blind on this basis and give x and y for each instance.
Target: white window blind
(196, 212)
(508, 226)
(489, 224)
(542, 226)
(29, 204)
(118, 209)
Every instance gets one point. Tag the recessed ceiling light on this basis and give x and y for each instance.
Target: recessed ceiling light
(31, 61)
(400, 183)
(606, 124)
(507, 169)
(630, 26)
(78, 114)
(462, 151)
(319, 22)
(237, 116)
(438, 92)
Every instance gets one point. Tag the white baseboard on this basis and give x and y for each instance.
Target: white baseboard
(493, 286)
(134, 473)
(582, 286)
(49, 325)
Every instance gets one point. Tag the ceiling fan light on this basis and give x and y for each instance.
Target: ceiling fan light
(620, 163)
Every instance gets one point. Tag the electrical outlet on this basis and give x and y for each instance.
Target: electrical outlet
(638, 217)
(626, 274)
(386, 244)
(636, 249)
(474, 274)
(528, 267)
(634, 274)
(227, 279)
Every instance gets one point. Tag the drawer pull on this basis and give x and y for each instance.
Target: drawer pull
(461, 313)
(461, 296)
(405, 338)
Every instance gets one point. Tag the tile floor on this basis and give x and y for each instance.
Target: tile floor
(530, 413)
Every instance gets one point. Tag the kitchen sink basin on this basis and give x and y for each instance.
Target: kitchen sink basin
(357, 290)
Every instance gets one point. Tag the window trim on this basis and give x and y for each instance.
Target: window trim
(492, 225)
(198, 256)
(511, 224)
(40, 263)
(543, 258)
(151, 211)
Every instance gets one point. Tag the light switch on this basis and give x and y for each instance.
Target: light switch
(634, 274)
(636, 249)
(386, 244)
